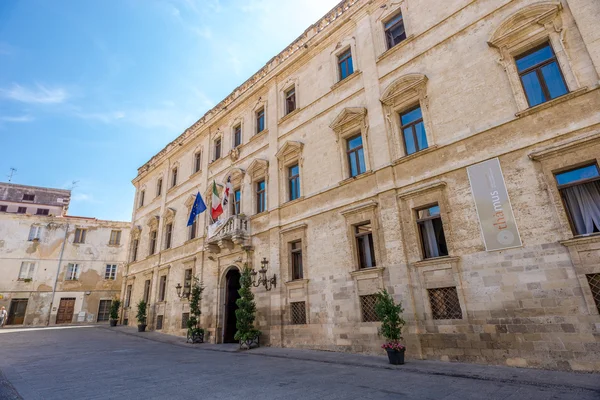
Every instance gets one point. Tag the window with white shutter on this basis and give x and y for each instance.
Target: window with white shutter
(35, 232)
(27, 269)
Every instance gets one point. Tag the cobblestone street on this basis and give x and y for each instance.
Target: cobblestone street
(98, 363)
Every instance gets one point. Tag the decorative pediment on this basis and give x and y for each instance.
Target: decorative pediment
(153, 222)
(258, 167)
(136, 231)
(349, 116)
(189, 203)
(236, 174)
(535, 16)
(289, 149)
(405, 88)
(169, 214)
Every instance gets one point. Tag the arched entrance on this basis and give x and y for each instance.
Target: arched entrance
(232, 286)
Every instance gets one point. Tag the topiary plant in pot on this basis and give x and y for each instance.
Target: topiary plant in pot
(141, 315)
(195, 334)
(246, 312)
(390, 314)
(114, 311)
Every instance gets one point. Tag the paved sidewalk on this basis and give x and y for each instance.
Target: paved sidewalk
(534, 377)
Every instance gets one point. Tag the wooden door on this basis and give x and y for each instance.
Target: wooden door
(104, 310)
(16, 313)
(65, 311)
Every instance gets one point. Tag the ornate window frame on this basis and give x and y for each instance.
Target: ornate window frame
(234, 153)
(340, 48)
(401, 95)
(366, 212)
(349, 122)
(197, 150)
(259, 104)
(168, 217)
(257, 171)
(174, 166)
(391, 9)
(288, 155)
(282, 109)
(525, 29)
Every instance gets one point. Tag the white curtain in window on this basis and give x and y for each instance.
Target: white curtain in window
(583, 202)
(429, 240)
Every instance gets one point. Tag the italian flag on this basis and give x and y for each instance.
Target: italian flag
(216, 207)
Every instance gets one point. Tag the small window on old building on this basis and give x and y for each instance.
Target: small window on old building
(237, 201)
(580, 191)
(3, 208)
(444, 303)
(115, 238)
(162, 288)
(21, 210)
(290, 100)
(540, 75)
(345, 67)
(261, 197)
(217, 148)
(159, 184)
(141, 198)
(193, 229)
(168, 235)
(72, 272)
(185, 317)
(364, 244)
(42, 211)
(35, 232)
(298, 311)
(153, 236)
(294, 182)
(174, 177)
(134, 249)
(147, 290)
(296, 256)
(413, 130)
(80, 235)
(128, 296)
(197, 161)
(28, 197)
(356, 156)
(159, 322)
(187, 282)
(260, 120)
(367, 308)
(110, 272)
(237, 135)
(27, 270)
(594, 282)
(394, 30)
(431, 230)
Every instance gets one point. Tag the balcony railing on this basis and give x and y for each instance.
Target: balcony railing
(225, 235)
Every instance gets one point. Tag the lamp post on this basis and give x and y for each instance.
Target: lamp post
(185, 294)
(268, 283)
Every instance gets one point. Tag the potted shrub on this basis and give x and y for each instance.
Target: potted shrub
(114, 312)
(246, 313)
(195, 334)
(141, 315)
(390, 314)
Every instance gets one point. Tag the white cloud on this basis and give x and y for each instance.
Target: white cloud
(38, 95)
(20, 118)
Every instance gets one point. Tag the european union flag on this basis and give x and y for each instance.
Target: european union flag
(198, 208)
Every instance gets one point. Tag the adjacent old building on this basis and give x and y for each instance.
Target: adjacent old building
(55, 268)
(448, 154)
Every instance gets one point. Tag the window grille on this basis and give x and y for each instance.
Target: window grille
(594, 281)
(445, 303)
(367, 306)
(185, 317)
(159, 322)
(298, 313)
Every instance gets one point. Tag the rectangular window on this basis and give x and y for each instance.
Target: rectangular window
(217, 148)
(80, 235)
(294, 182)
(141, 199)
(162, 288)
(298, 310)
(290, 100)
(356, 155)
(540, 75)
(296, 256)
(580, 191)
(104, 310)
(21, 210)
(159, 322)
(72, 272)
(367, 308)
(159, 184)
(147, 291)
(42, 211)
(197, 161)
(174, 177)
(187, 282)
(261, 197)
(3, 208)
(27, 269)
(152, 242)
(237, 135)
(433, 241)
(28, 197)
(594, 281)
(193, 229)
(237, 201)
(111, 272)
(345, 67)
(128, 296)
(35, 232)
(185, 317)
(413, 130)
(168, 235)
(444, 303)
(115, 238)
(134, 249)
(394, 30)
(364, 243)
(260, 120)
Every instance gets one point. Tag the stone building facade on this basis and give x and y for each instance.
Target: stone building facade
(55, 268)
(350, 156)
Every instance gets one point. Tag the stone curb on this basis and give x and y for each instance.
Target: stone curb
(586, 381)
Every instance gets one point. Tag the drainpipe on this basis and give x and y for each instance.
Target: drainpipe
(60, 257)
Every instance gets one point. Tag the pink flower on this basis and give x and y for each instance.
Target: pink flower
(393, 346)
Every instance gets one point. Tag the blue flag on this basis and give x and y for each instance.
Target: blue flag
(198, 208)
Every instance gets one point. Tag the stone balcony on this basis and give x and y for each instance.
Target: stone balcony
(234, 230)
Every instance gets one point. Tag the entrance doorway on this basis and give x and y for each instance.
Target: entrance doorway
(232, 286)
(16, 313)
(104, 310)
(65, 310)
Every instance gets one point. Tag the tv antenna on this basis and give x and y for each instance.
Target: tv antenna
(13, 172)
(73, 185)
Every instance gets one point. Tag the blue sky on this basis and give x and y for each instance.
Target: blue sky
(90, 90)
